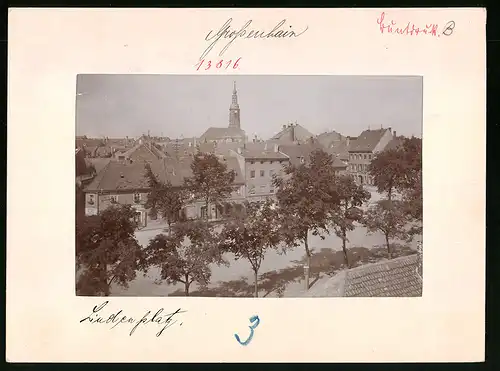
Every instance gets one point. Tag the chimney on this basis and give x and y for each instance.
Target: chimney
(265, 146)
(292, 133)
(395, 135)
(284, 127)
(194, 141)
(348, 140)
(390, 130)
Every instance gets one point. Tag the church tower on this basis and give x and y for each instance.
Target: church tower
(234, 110)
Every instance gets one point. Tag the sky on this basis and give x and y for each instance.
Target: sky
(186, 105)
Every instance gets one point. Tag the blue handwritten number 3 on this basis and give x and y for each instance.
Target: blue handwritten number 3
(252, 327)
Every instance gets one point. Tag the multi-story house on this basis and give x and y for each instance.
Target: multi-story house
(258, 166)
(362, 151)
(123, 182)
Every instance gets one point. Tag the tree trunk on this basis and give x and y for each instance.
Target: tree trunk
(308, 261)
(186, 285)
(389, 251)
(344, 249)
(256, 292)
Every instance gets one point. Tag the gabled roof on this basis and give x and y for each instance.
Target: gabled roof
(293, 132)
(391, 278)
(368, 140)
(142, 152)
(221, 133)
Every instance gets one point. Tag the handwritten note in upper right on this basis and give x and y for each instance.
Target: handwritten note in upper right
(392, 26)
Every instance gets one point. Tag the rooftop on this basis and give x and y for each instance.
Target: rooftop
(220, 133)
(390, 278)
(291, 133)
(368, 140)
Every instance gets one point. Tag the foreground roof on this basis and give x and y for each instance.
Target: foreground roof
(391, 278)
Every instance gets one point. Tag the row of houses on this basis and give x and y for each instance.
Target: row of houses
(121, 178)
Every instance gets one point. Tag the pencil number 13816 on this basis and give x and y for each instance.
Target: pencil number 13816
(207, 64)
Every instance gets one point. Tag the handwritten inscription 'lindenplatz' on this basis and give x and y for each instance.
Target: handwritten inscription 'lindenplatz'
(117, 318)
(280, 31)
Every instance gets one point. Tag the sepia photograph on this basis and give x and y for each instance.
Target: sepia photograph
(268, 186)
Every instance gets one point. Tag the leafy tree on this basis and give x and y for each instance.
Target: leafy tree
(251, 234)
(185, 255)
(107, 250)
(211, 181)
(351, 197)
(390, 218)
(306, 196)
(164, 200)
(398, 168)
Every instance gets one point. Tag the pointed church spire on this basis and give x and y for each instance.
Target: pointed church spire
(234, 110)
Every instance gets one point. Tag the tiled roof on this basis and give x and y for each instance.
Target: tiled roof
(219, 133)
(391, 278)
(367, 141)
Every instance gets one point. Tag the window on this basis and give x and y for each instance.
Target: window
(252, 162)
(262, 189)
(137, 198)
(113, 199)
(364, 157)
(90, 200)
(252, 174)
(271, 173)
(262, 173)
(262, 162)
(203, 212)
(251, 190)
(271, 162)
